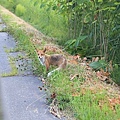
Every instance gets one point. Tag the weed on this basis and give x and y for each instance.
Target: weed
(74, 97)
(20, 10)
(13, 71)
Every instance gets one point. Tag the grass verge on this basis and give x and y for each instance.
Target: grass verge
(83, 99)
(23, 43)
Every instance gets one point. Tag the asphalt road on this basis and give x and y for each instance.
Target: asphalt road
(21, 98)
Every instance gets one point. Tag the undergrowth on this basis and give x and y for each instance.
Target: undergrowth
(84, 104)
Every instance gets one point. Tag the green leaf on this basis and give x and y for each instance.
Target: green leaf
(81, 1)
(116, 66)
(79, 40)
(35, 3)
(70, 43)
(103, 63)
(82, 37)
(54, 7)
(98, 65)
(42, 5)
(100, 0)
(95, 65)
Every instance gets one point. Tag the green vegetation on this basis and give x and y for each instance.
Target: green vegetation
(84, 102)
(86, 99)
(85, 27)
(13, 71)
(44, 19)
(23, 44)
(20, 10)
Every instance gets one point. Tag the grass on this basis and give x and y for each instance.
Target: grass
(84, 103)
(83, 98)
(12, 63)
(51, 24)
(13, 71)
(23, 44)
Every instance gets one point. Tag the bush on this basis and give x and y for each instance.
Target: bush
(116, 74)
(20, 10)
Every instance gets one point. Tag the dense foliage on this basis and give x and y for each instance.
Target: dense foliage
(84, 27)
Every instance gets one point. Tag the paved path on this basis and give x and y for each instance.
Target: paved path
(21, 98)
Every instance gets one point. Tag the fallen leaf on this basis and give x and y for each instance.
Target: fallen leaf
(96, 59)
(75, 94)
(83, 64)
(76, 57)
(53, 95)
(105, 73)
(101, 76)
(73, 62)
(113, 102)
(85, 58)
(54, 109)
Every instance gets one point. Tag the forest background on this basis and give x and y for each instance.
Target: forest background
(84, 27)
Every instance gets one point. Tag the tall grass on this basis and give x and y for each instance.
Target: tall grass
(44, 19)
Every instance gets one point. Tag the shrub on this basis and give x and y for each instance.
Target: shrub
(20, 10)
